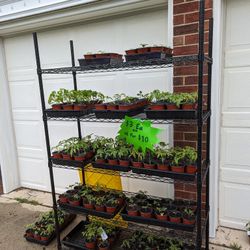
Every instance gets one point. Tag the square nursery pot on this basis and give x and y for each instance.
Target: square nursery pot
(80, 158)
(127, 106)
(172, 107)
(100, 208)
(88, 205)
(157, 106)
(188, 221)
(178, 169)
(191, 169)
(79, 107)
(149, 165)
(162, 167)
(132, 211)
(112, 162)
(68, 107)
(175, 217)
(90, 245)
(74, 203)
(100, 106)
(146, 213)
(189, 106)
(57, 106)
(102, 161)
(131, 51)
(161, 217)
(66, 156)
(137, 164)
(110, 210)
(124, 163)
(112, 107)
(57, 155)
(143, 50)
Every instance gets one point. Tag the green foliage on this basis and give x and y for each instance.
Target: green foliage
(235, 246)
(137, 155)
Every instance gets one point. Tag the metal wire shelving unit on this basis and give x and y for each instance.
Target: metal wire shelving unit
(200, 235)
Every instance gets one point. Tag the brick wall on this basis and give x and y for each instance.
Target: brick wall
(186, 28)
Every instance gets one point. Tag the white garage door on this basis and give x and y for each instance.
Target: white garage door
(235, 131)
(116, 35)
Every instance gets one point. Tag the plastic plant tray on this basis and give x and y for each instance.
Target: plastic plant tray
(117, 114)
(161, 173)
(68, 220)
(146, 56)
(155, 222)
(66, 113)
(111, 167)
(171, 114)
(98, 61)
(73, 163)
(81, 210)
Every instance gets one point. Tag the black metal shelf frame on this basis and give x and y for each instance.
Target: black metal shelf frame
(202, 119)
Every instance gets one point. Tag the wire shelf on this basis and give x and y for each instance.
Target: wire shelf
(123, 66)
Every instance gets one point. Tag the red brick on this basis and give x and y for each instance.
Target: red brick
(184, 127)
(179, 19)
(178, 81)
(190, 187)
(185, 143)
(185, 195)
(194, 17)
(179, 185)
(208, 4)
(186, 29)
(179, 89)
(186, 50)
(178, 1)
(178, 40)
(191, 80)
(185, 70)
(186, 7)
(179, 136)
(190, 136)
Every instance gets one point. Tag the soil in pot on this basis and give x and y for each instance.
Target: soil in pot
(101, 161)
(146, 212)
(172, 107)
(57, 155)
(124, 163)
(188, 106)
(57, 106)
(191, 169)
(90, 245)
(100, 107)
(178, 169)
(175, 216)
(149, 165)
(112, 162)
(162, 167)
(157, 107)
(68, 107)
(110, 210)
(137, 164)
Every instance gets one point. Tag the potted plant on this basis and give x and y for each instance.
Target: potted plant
(174, 101)
(137, 157)
(88, 201)
(143, 49)
(148, 160)
(90, 234)
(64, 198)
(190, 160)
(111, 205)
(103, 245)
(47, 232)
(189, 101)
(99, 204)
(175, 216)
(161, 213)
(112, 154)
(188, 216)
(146, 211)
(177, 161)
(68, 99)
(131, 207)
(37, 232)
(30, 229)
(56, 99)
(162, 153)
(123, 155)
(74, 200)
(158, 99)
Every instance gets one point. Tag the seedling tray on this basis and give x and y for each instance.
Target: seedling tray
(73, 163)
(117, 114)
(66, 113)
(99, 61)
(110, 167)
(81, 210)
(147, 56)
(67, 221)
(155, 222)
(161, 173)
(171, 114)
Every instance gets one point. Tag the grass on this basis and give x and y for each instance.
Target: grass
(27, 201)
(235, 246)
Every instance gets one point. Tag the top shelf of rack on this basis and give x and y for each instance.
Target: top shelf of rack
(131, 65)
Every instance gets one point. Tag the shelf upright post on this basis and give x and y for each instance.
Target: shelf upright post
(200, 123)
(210, 53)
(75, 88)
(46, 130)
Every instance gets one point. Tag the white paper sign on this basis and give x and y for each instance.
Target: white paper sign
(104, 236)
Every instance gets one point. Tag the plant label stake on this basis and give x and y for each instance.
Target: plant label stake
(139, 133)
(104, 236)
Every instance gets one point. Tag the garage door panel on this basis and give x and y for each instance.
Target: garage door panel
(236, 90)
(236, 119)
(24, 95)
(235, 173)
(32, 173)
(238, 58)
(29, 152)
(233, 207)
(29, 134)
(235, 146)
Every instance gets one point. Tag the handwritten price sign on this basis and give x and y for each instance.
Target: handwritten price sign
(139, 133)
